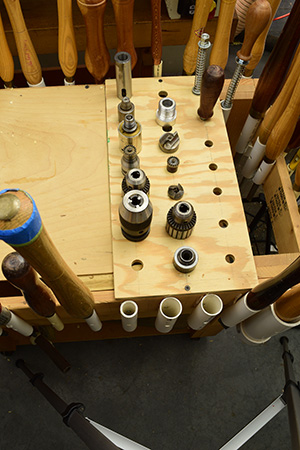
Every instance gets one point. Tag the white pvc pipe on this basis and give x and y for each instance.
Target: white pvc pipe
(226, 111)
(129, 315)
(210, 306)
(69, 83)
(237, 312)
(19, 325)
(169, 310)
(262, 172)
(254, 159)
(248, 131)
(94, 322)
(265, 324)
(40, 84)
(56, 322)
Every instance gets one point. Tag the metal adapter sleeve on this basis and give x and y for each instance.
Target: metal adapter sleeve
(135, 213)
(136, 179)
(130, 159)
(185, 259)
(129, 136)
(181, 220)
(123, 75)
(166, 113)
(125, 107)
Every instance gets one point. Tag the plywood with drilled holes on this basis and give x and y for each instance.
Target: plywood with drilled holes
(53, 145)
(206, 168)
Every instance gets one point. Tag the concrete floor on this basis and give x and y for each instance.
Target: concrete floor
(165, 392)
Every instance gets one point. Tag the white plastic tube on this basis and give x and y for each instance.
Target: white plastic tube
(254, 159)
(56, 322)
(169, 310)
(226, 111)
(237, 312)
(248, 131)
(69, 83)
(129, 315)
(265, 324)
(210, 306)
(262, 172)
(19, 325)
(94, 322)
(40, 84)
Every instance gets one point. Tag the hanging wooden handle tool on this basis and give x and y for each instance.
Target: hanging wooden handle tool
(156, 37)
(124, 22)
(220, 48)
(211, 87)
(96, 54)
(6, 59)
(37, 295)
(67, 51)
(22, 228)
(201, 13)
(259, 46)
(28, 58)
(287, 307)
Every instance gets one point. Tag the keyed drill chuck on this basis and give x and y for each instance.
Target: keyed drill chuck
(181, 220)
(136, 179)
(135, 213)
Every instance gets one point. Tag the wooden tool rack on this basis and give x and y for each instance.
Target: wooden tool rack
(60, 144)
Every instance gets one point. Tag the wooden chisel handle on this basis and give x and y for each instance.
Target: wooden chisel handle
(201, 13)
(259, 46)
(67, 50)
(156, 37)
(124, 21)
(28, 58)
(220, 48)
(258, 16)
(211, 87)
(21, 227)
(287, 307)
(96, 54)
(6, 59)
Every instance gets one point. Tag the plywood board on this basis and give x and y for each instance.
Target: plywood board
(53, 145)
(202, 144)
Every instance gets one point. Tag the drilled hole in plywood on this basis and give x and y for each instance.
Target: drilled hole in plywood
(208, 143)
(213, 166)
(230, 258)
(223, 223)
(137, 265)
(163, 94)
(167, 128)
(217, 191)
(160, 80)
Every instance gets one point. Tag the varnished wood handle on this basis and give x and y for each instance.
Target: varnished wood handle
(272, 76)
(287, 307)
(124, 21)
(28, 58)
(201, 13)
(19, 273)
(211, 87)
(35, 245)
(67, 51)
(296, 185)
(156, 33)
(284, 128)
(97, 57)
(257, 18)
(6, 59)
(259, 46)
(220, 48)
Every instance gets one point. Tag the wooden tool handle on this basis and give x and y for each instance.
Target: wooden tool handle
(124, 21)
(295, 139)
(34, 244)
(6, 59)
(156, 33)
(202, 9)
(220, 48)
(296, 185)
(257, 18)
(284, 128)
(52, 352)
(287, 307)
(259, 46)
(67, 51)
(211, 86)
(28, 58)
(96, 55)
(272, 76)
(19, 273)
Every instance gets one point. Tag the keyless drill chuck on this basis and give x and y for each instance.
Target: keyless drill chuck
(181, 220)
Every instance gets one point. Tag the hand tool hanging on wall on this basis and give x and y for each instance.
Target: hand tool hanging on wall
(220, 49)
(261, 296)
(211, 87)
(28, 58)
(202, 8)
(259, 46)
(10, 320)
(124, 22)
(67, 50)
(37, 295)
(258, 16)
(71, 414)
(256, 153)
(279, 139)
(96, 54)
(272, 76)
(21, 227)
(6, 60)
(156, 38)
